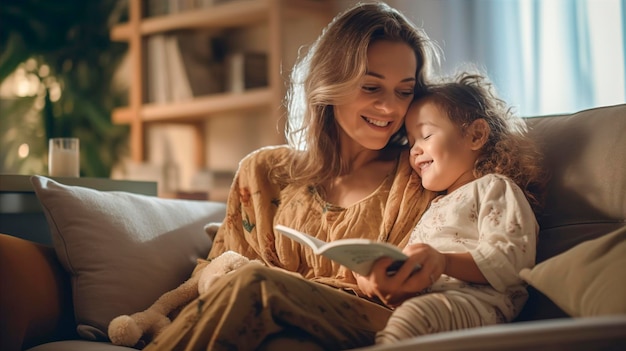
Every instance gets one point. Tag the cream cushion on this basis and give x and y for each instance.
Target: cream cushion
(122, 250)
(586, 280)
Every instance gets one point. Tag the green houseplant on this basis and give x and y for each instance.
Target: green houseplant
(62, 51)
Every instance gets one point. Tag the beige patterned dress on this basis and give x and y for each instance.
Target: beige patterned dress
(246, 306)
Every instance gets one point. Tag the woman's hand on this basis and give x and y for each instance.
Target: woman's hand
(392, 290)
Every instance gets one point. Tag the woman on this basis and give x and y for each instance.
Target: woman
(344, 174)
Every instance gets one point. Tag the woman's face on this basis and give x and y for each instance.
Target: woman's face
(375, 111)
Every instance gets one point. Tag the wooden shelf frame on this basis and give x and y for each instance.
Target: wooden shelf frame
(232, 14)
(226, 15)
(199, 108)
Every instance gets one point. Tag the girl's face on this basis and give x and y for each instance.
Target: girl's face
(375, 111)
(441, 154)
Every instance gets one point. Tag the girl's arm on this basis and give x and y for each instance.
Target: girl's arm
(462, 266)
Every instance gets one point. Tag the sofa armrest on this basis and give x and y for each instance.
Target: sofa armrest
(35, 295)
(572, 334)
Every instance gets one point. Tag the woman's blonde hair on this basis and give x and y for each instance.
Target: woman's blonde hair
(470, 96)
(330, 71)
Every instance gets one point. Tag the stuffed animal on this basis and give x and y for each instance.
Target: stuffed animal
(138, 329)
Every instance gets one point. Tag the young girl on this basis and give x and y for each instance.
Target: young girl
(481, 230)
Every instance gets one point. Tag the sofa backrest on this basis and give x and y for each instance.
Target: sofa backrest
(585, 154)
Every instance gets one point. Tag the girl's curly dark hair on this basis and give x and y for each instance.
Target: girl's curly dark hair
(508, 151)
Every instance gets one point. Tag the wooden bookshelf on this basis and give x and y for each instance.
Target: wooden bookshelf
(279, 21)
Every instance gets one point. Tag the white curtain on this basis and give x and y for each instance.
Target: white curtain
(545, 57)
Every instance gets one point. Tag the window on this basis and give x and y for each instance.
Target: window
(544, 57)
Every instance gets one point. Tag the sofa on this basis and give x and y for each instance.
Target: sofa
(114, 253)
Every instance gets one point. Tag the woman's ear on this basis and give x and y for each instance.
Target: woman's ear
(479, 132)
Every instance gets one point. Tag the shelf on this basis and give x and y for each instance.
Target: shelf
(276, 27)
(232, 14)
(200, 107)
(228, 15)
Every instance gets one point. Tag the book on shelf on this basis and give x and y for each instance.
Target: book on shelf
(154, 8)
(191, 63)
(202, 53)
(156, 76)
(167, 77)
(246, 70)
(357, 254)
(180, 88)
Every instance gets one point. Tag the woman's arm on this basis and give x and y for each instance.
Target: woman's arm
(251, 208)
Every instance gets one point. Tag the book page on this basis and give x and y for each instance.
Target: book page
(302, 238)
(357, 254)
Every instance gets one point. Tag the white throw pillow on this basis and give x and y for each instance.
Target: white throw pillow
(122, 250)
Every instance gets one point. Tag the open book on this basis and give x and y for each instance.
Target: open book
(357, 254)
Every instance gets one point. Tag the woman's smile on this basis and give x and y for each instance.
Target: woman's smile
(377, 122)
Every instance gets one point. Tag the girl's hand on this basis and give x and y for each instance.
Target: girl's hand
(395, 289)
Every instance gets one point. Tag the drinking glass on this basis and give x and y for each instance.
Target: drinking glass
(64, 157)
